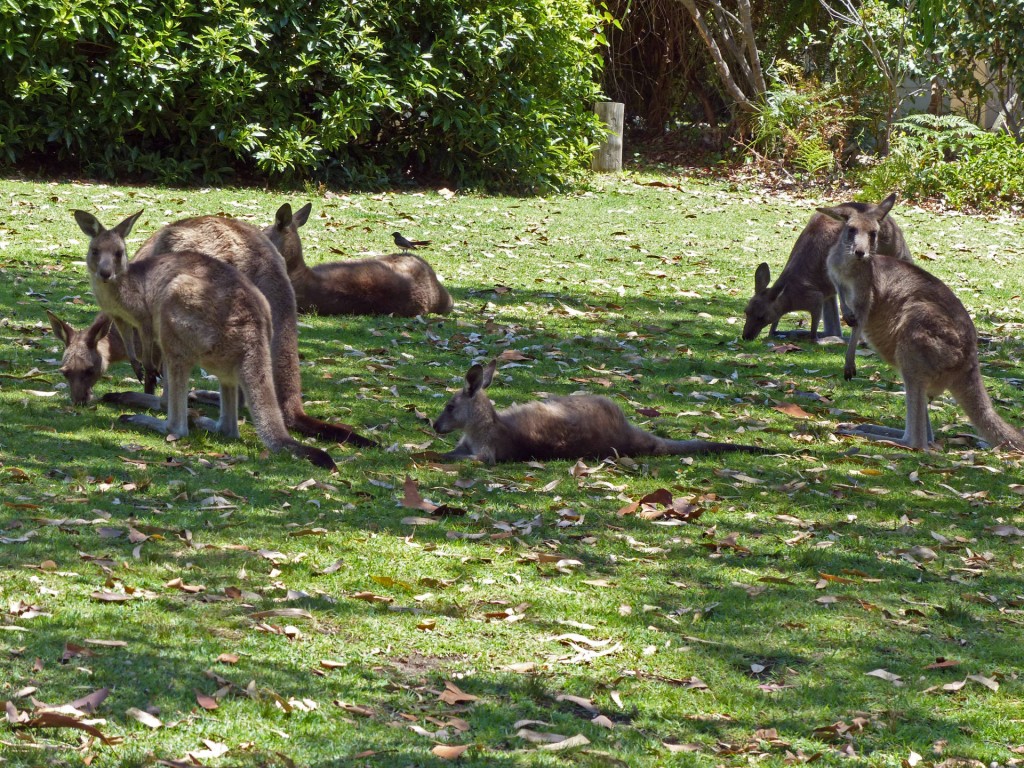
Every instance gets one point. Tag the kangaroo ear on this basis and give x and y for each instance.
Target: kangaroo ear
(88, 223)
(125, 227)
(883, 208)
(61, 330)
(762, 276)
(302, 215)
(474, 378)
(838, 214)
(99, 329)
(489, 374)
(283, 217)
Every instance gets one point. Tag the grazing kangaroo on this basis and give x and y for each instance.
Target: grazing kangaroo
(573, 427)
(87, 353)
(246, 248)
(916, 323)
(804, 284)
(399, 284)
(196, 310)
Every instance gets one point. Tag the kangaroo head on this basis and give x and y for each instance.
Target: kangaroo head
(469, 405)
(859, 237)
(107, 259)
(284, 233)
(83, 364)
(762, 309)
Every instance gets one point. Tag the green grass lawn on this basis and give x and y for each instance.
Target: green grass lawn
(837, 600)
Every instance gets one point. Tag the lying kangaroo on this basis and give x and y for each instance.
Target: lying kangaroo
(804, 284)
(916, 323)
(573, 427)
(246, 248)
(88, 353)
(397, 284)
(196, 310)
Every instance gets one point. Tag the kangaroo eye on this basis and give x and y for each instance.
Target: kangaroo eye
(853, 231)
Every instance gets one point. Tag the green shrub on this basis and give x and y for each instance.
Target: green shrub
(801, 123)
(951, 159)
(495, 94)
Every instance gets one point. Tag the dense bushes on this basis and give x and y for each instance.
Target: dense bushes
(495, 94)
(951, 159)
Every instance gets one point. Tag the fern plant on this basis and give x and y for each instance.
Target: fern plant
(801, 124)
(949, 158)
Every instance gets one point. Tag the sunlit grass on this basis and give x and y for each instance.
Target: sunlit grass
(804, 571)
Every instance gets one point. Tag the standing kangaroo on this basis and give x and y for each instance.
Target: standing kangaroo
(399, 284)
(573, 427)
(87, 353)
(916, 323)
(804, 284)
(196, 310)
(246, 248)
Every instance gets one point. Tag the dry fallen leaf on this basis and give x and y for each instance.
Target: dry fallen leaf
(452, 695)
(450, 752)
(145, 718)
(884, 674)
(206, 702)
(412, 498)
(56, 720)
(792, 410)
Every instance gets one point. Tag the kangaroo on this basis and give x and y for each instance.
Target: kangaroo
(573, 427)
(246, 248)
(804, 284)
(399, 284)
(87, 353)
(196, 310)
(916, 323)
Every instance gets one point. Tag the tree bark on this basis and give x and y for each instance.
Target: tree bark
(733, 49)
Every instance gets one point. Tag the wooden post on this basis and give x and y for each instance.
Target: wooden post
(608, 156)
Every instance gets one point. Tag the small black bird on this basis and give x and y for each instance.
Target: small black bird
(408, 245)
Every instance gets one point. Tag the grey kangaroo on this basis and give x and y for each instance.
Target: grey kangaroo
(246, 248)
(400, 284)
(804, 284)
(573, 427)
(88, 353)
(916, 323)
(196, 310)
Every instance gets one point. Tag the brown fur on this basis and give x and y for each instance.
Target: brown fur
(87, 353)
(916, 323)
(196, 310)
(247, 249)
(574, 427)
(399, 284)
(804, 285)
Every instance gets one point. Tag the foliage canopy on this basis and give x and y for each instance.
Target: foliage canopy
(491, 94)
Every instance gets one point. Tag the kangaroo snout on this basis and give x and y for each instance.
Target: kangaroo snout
(441, 428)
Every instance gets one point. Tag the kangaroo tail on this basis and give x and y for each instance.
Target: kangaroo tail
(974, 399)
(267, 418)
(685, 447)
(305, 424)
(315, 456)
